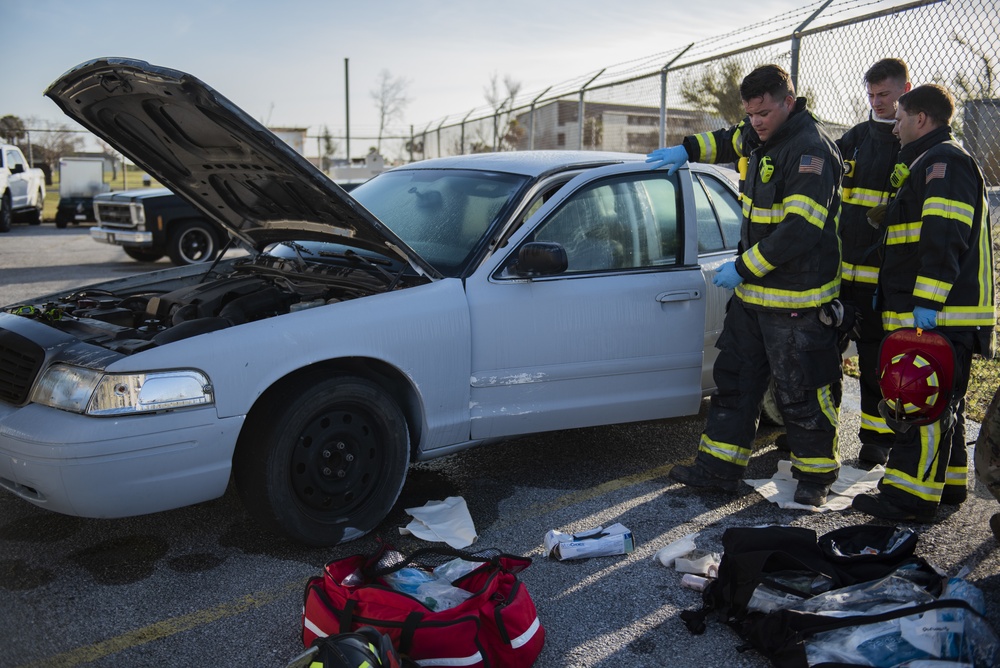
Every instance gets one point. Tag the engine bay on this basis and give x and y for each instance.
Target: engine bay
(226, 295)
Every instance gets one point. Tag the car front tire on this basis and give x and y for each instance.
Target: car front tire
(141, 254)
(192, 242)
(34, 215)
(5, 213)
(324, 463)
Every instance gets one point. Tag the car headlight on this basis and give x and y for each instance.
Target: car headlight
(91, 392)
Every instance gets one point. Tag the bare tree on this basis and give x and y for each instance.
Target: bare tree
(112, 155)
(502, 103)
(390, 99)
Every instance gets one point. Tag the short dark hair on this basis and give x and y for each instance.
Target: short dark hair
(931, 99)
(887, 68)
(767, 79)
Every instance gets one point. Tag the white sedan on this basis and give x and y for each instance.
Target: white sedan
(441, 305)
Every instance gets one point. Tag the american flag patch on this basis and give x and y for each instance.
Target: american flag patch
(935, 171)
(810, 164)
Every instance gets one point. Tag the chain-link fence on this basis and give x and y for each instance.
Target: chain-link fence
(827, 46)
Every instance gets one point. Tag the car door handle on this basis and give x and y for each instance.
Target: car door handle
(679, 296)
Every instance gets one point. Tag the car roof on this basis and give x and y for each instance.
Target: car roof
(526, 163)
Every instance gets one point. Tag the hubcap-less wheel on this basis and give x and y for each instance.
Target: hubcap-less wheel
(335, 462)
(322, 459)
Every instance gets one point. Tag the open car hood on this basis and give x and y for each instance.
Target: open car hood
(212, 153)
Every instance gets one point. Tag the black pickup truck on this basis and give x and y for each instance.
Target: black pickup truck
(152, 222)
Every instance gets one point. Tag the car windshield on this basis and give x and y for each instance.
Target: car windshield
(439, 213)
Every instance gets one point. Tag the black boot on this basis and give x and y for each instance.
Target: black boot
(811, 493)
(697, 475)
(877, 505)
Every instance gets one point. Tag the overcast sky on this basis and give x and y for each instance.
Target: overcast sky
(283, 62)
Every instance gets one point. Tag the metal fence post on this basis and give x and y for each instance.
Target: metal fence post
(531, 119)
(795, 45)
(663, 94)
(583, 90)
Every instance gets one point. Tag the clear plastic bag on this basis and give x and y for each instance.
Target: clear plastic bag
(435, 593)
(951, 635)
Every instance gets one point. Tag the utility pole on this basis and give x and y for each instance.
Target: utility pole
(347, 107)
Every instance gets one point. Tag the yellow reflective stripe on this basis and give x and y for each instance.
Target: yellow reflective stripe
(706, 144)
(808, 208)
(865, 197)
(948, 208)
(831, 410)
(903, 233)
(874, 423)
(929, 489)
(756, 214)
(926, 490)
(858, 273)
(725, 451)
(957, 475)
(985, 272)
(788, 299)
(815, 465)
(738, 141)
(928, 288)
(949, 316)
(756, 262)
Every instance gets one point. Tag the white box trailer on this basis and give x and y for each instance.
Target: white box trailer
(79, 180)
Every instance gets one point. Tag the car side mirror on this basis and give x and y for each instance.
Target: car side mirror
(540, 258)
(17, 169)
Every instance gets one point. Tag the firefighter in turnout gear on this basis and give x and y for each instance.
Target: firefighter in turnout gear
(936, 273)
(786, 274)
(869, 151)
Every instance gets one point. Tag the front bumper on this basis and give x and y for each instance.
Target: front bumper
(115, 467)
(120, 237)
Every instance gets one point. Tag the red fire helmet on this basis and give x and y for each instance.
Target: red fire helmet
(916, 373)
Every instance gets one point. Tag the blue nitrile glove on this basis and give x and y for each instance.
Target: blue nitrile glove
(726, 276)
(671, 156)
(924, 318)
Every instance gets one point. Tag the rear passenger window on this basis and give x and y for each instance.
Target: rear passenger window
(718, 214)
(727, 208)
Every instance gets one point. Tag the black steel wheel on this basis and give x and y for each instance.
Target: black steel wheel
(192, 242)
(326, 463)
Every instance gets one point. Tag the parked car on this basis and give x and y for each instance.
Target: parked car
(22, 188)
(441, 305)
(149, 223)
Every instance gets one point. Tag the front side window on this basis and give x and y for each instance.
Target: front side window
(621, 223)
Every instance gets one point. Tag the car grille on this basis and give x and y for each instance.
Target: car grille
(114, 215)
(20, 361)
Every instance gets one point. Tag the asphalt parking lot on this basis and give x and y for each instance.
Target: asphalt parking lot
(203, 586)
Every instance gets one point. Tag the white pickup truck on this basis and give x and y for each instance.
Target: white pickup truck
(22, 188)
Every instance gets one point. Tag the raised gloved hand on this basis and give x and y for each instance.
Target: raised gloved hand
(924, 318)
(726, 276)
(671, 156)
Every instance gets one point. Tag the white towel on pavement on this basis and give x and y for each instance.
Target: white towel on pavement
(780, 488)
(445, 521)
